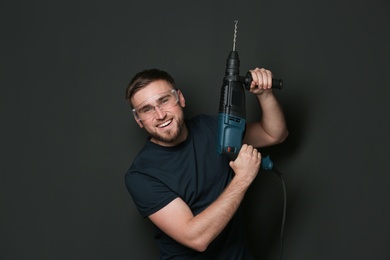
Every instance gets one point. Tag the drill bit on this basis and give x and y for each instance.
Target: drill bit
(235, 35)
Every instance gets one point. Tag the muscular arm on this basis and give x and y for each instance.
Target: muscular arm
(271, 129)
(197, 232)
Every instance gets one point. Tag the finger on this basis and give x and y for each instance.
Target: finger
(260, 79)
(251, 150)
(269, 79)
(254, 79)
(244, 147)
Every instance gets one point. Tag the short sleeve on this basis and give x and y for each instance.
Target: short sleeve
(148, 193)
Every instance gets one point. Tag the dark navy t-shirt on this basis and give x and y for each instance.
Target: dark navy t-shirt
(194, 172)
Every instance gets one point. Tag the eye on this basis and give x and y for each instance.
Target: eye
(165, 100)
(145, 110)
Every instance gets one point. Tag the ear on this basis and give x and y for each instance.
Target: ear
(139, 122)
(182, 100)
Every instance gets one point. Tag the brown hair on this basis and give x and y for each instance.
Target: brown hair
(144, 78)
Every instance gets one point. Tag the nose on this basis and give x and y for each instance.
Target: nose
(159, 112)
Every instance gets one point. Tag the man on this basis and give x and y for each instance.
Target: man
(190, 193)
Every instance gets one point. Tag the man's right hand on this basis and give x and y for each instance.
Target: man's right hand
(247, 164)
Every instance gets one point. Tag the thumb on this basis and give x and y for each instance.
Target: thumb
(231, 164)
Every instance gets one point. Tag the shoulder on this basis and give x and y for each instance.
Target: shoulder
(202, 125)
(202, 120)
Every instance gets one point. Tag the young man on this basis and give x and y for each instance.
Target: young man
(190, 193)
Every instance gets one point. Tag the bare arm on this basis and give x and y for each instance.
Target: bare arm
(271, 129)
(197, 232)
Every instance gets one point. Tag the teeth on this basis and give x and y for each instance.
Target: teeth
(165, 123)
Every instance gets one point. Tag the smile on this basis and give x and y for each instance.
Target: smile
(164, 124)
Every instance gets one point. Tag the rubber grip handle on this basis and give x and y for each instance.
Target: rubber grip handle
(276, 83)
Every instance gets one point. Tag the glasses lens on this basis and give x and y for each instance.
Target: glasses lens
(163, 101)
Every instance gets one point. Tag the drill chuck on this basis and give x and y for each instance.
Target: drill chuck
(232, 70)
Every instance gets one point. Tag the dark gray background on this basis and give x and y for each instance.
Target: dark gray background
(68, 136)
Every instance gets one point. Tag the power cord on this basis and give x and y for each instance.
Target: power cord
(284, 209)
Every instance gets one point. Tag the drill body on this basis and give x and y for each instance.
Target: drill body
(232, 109)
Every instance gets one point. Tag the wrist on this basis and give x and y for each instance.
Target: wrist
(241, 182)
(265, 94)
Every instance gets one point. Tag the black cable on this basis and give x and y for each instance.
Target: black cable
(284, 209)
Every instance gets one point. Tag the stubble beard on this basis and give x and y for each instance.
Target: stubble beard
(170, 137)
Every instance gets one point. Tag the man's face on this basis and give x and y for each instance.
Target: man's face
(166, 126)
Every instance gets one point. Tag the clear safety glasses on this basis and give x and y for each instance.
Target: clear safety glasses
(163, 101)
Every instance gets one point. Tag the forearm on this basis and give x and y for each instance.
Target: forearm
(197, 232)
(207, 225)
